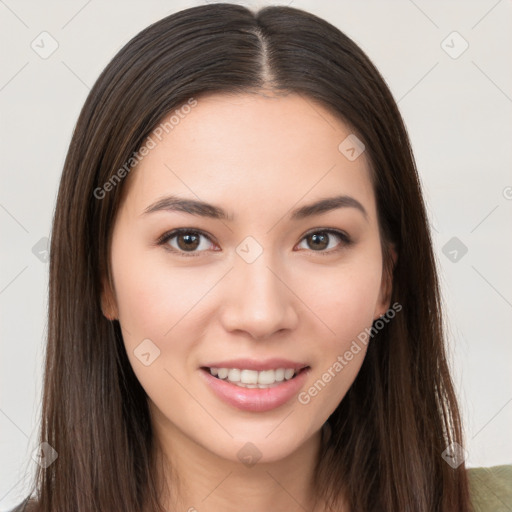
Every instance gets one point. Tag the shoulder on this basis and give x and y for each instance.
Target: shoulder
(491, 488)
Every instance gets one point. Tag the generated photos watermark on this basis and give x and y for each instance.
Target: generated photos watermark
(362, 339)
(150, 143)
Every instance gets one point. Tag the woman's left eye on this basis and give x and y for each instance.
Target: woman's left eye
(189, 241)
(321, 240)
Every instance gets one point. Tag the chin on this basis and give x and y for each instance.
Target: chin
(262, 446)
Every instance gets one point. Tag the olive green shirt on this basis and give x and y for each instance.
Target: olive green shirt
(491, 488)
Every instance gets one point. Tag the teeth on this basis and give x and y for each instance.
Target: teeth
(249, 377)
(268, 377)
(253, 378)
(234, 375)
(288, 373)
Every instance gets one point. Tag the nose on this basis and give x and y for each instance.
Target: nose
(258, 300)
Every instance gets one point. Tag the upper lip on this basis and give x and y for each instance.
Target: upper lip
(258, 365)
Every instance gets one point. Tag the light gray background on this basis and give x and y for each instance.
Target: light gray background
(458, 113)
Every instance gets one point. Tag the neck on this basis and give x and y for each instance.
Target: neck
(199, 480)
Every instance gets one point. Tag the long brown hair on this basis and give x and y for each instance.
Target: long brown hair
(400, 414)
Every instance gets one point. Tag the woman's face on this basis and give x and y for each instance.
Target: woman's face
(266, 287)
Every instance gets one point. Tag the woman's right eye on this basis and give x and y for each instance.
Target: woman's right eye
(185, 241)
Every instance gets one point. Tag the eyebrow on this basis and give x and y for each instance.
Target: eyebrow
(202, 209)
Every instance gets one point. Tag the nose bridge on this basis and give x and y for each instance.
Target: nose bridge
(261, 283)
(259, 302)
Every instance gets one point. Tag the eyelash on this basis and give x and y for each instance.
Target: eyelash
(345, 240)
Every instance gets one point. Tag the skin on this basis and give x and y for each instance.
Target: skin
(295, 301)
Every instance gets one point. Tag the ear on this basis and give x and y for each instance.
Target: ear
(108, 301)
(386, 288)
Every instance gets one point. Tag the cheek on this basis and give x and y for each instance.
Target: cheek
(345, 302)
(344, 298)
(155, 310)
(152, 296)
(161, 303)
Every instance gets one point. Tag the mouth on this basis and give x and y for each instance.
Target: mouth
(262, 387)
(254, 379)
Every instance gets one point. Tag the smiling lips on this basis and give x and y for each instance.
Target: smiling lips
(256, 386)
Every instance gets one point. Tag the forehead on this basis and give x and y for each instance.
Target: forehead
(251, 150)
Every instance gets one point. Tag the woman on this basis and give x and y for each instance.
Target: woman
(244, 306)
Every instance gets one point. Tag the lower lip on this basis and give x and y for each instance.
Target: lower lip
(256, 399)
